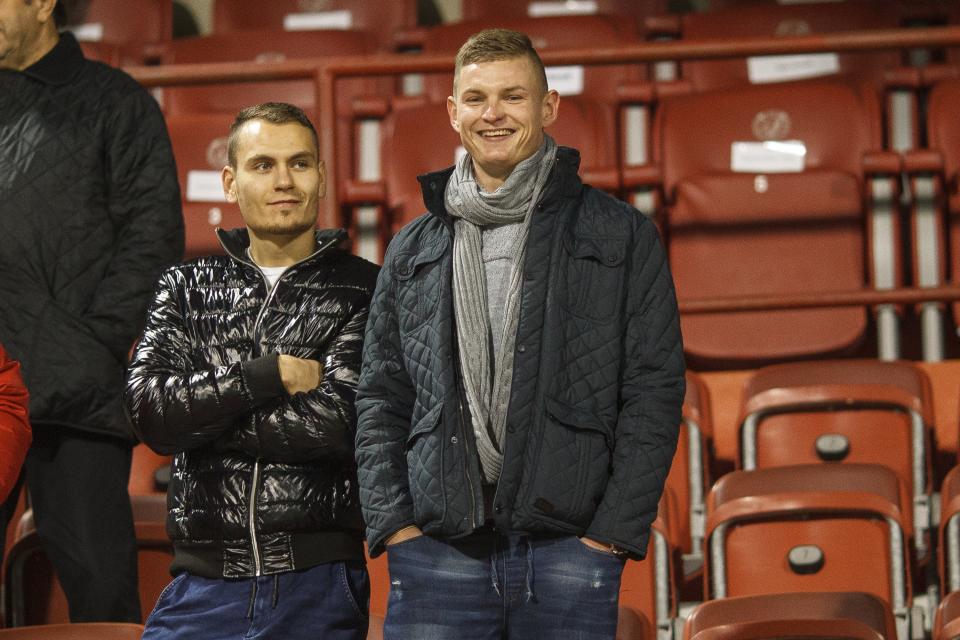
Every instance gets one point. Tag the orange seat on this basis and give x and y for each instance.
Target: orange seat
(200, 149)
(769, 199)
(32, 593)
(946, 625)
(949, 549)
(76, 631)
(810, 528)
(380, 18)
(764, 19)
(649, 587)
(633, 625)
(850, 411)
(140, 27)
(838, 616)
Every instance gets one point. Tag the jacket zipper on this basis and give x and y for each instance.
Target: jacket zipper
(252, 508)
(463, 431)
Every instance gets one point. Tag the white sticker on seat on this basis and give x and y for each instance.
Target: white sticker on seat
(563, 8)
(764, 69)
(89, 32)
(567, 80)
(342, 19)
(204, 186)
(772, 156)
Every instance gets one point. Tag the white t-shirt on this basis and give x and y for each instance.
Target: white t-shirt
(272, 274)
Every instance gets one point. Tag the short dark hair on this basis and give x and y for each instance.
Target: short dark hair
(272, 112)
(491, 45)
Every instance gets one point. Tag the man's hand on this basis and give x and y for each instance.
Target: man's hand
(403, 535)
(299, 375)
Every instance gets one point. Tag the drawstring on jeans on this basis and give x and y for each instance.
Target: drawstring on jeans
(529, 570)
(253, 598)
(276, 591)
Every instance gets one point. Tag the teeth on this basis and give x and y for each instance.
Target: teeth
(495, 133)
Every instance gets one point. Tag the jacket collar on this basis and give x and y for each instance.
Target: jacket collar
(236, 241)
(60, 64)
(563, 182)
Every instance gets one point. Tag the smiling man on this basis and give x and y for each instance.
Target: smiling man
(247, 371)
(519, 402)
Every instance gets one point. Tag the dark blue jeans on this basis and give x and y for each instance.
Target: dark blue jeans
(492, 587)
(328, 601)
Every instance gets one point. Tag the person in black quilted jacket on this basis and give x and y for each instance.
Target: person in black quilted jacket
(522, 378)
(89, 217)
(247, 371)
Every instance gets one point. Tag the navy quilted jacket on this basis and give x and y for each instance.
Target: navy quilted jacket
(597, 388)
(89, 217)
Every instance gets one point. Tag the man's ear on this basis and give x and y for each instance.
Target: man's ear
(551, 107)
(229, 180)
(45, 10)
(322, 169)
(452, 112)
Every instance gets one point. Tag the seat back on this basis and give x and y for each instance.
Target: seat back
(809, 528)
(149, 472)
(499, 9)
(32, 593)
(769, 200)
(548, 34)
(200, 150)
(649, 586)
(76, 631)
(765, 19)
(135, 24)
(943, 136)
(946, 624)
(849, 411)
(792, 615)
(949, 548)
(379, 18)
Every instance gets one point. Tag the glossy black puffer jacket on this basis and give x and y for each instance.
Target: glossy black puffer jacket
(262, 482)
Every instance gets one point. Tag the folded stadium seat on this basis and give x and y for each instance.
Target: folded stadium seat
(946, 625)
(649, 587)
(104, 52)
(838, 616)
(812, 528)
(949, 549)
(849, 411)
(935, 213)
(200, 149)
(141, 27)
(149, 472)
(32, 593)
(499, 9)
(382, 19)
(392, 154)
(633, 625)
(782, 194)
(76, 631)
(689, 477)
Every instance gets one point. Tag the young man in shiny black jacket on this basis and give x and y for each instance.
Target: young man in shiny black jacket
(247, 371)
(522, 379)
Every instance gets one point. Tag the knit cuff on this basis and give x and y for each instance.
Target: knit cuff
(262, 376)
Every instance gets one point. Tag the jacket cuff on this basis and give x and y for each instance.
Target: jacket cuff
(262, 376)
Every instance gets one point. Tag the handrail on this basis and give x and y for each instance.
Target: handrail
(850, 298)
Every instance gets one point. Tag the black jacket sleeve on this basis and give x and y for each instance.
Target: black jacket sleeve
(385, 398)
(651, 392)
(175, 406)
(143, 201)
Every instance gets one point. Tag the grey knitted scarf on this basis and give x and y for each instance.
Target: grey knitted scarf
(487, 384)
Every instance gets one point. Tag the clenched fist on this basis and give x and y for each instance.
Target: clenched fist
(299, 375)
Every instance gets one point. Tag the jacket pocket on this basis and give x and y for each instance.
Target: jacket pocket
(418, 286)
(425, 467)
(573, 465)
(594, 276)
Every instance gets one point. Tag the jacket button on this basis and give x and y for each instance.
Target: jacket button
(521, 348)
(611, 259)
(498, 508)
(453, 440)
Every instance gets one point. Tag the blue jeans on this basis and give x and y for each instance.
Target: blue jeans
(328, 601)
(493, 587)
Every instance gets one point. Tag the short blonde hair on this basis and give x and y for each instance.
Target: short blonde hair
(491, 45)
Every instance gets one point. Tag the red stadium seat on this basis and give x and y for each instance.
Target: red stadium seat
(200, 149)
(782, 194)
(379, 18)
(76, 631)
(949, 549)
(649, 586)
(946, 625)
(837, 616)
(499, 9)
(810, 528)
(149, 472)
(849, 411)
(141, 27)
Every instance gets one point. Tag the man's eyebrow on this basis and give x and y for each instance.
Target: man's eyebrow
(263, 156)
(513, 89)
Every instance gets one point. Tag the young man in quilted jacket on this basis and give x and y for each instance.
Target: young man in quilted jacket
(522, 379)
(89, 217)
(247, 372)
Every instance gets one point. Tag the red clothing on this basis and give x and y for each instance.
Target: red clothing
(14, 425)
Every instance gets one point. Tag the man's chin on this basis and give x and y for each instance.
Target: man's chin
(282, 230)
